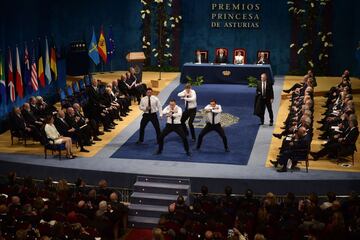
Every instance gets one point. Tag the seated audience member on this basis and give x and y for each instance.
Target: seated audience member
(19, 124)
(304, 83)
(300, 141)
(66, 129)
(44, 109)
(262, 59)
(94, 126)
(124, 87)
(342, 146)
(53, 134)
(111, 106)
(34, 108)
(82, 129)
(120, 97)
(30, 117)
(239, 58)
(200, 58)
(135, 85)
(221, 56)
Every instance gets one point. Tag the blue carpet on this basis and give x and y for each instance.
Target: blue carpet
(236, 100)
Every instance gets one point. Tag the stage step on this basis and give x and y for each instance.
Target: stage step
(151, 198)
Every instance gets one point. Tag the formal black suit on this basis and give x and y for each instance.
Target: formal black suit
(343, 148)
(221, 59)
(30, 118)
(19, 125)
(82, 132)
(263, 99)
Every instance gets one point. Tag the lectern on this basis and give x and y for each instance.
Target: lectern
(136, 60)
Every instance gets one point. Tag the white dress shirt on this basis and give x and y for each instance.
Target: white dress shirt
(154, 102)
(52, 133)
(213, 114)
(239, 60)
(190, 98)
(173, 116)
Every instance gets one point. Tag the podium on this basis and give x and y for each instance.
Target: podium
(136, 60)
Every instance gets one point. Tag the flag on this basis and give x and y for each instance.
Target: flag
(27, 71)
(93, 50)
(2, 80)
(47, 63)
(110, 45)
(102, 46)
(18, 79)
(34, 76)
(41, 75)
(53, 65)
(11, 78)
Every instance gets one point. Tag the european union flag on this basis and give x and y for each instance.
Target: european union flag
(93, 50)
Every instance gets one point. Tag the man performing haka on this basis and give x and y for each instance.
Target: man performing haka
(173, 124)
(213, 113)
(189, 96)
(150, 105)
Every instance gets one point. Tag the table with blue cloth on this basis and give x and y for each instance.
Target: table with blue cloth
(225, 73)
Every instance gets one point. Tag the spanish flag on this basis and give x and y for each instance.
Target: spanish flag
(41, 74)
(53, 65)
(102, 46)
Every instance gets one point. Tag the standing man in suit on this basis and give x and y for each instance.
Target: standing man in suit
(173, 124)
(213, 114)
(221, 56)
(264, 98)
(150, 105)
(189, 96)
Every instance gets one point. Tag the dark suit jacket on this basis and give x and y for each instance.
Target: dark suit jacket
(223, 59)
(269, 92)
(61, 126)
(17, 122)
(29, 117)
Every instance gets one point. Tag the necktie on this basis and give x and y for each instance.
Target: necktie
(263, 89)
(149, 105)
(186, 105)
(172, 118)
(213, 117)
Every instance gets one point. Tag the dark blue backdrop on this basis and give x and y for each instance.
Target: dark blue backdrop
(23, 20)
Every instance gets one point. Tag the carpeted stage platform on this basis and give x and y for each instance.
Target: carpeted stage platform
(241, 127)
(242, 168)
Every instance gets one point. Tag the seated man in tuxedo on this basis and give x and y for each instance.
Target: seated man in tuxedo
(18, 124)
(343, 146)
(29, 116)
(200, 58)
(221, 56)
(94, 126)
(262, 58)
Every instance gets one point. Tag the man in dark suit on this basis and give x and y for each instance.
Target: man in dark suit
(343, 146)
(29, 116)
(221, 56)
(262, 59)
(300, 141)
(18, 124)
(264, 98)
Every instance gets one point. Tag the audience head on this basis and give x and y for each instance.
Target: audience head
(114, 197)
(17, 110)
(132, 70)
(61, 114)
(26, 107)
(157, 234)
(259, 236)
(204, 190)
(209, 235)
(148, 91)
(49, 119)
(76, 106)
(94, 82)
(32, 100)
(70, 111)
(102, 184)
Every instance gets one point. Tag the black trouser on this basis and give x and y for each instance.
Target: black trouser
(267, 103)
(189, 114)
(173, 128)
(152, 117)
(212, 127)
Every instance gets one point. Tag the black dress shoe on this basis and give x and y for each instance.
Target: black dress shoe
(227, 150)
(139, 142)
(100, 133)
(286, 91)
(157, 152)
(193, 139)
(314, 156)
(271, 123)
(115, 123)
(277, 135)
(96, 139)
(282, 169)
(275, 163)
(84, 150)
(107, 130)
(188, 154)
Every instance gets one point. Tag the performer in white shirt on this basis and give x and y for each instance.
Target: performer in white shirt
(189, 96)
(213, 114)
(173, 124)
(239, 59)
(150, 105)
